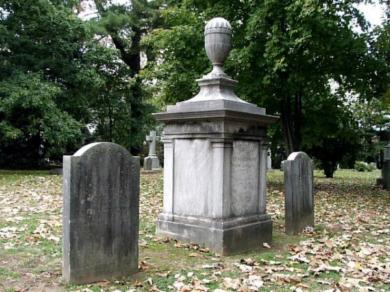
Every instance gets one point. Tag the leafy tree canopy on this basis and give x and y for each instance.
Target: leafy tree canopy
(288, 56)
(301, 59)
(61, 72)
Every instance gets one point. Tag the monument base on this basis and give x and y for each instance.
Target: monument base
(151, 163)
(222, 236)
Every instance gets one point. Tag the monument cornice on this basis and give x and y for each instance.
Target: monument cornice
(213, 115)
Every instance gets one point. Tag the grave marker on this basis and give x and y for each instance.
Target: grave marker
(299, 200)
(215, 161)
(386, 168)
(101, 213)
(151, 162)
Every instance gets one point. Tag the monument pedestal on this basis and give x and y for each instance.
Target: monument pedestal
(151, 163)
(214, 176)
(215, 160)
(222, 236)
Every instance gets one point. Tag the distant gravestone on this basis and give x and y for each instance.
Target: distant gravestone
(299, 200)
(101, 213)
(282, 164)
(269, 159)
(151, 162)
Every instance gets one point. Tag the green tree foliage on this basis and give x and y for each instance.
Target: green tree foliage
(373, 113)
(124, 25)
(380, 45)
(41, 44)
(30, 121)
(176, 55)
(117, 110)
(373, 117)
(61, 73)
(287, 56)
(333, 133)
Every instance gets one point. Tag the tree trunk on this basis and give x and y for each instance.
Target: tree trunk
(298, 123)
(292, 123)
(329, 168)
(287, 127)
(131, 56)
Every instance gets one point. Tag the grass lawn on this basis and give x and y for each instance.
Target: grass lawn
(348, 250)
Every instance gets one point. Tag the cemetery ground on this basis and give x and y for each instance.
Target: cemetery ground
(349, 249)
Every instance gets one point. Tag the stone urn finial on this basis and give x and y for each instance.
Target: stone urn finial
(218, 34)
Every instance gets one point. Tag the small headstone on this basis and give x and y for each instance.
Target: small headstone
(379, 165)
(56, 171)
(282, 165)
(151, 162)
(299, 200)
(269, 159)
(101, 213)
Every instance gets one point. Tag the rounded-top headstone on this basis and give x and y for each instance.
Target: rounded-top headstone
(92, 148)
(218, 34)
(100, 213)
(299, 200)
(298, 155)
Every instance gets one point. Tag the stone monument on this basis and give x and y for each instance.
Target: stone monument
(269, 159)
(100, 216)
(151, 162)
(298, 189)
(215, 156)
(384, 165)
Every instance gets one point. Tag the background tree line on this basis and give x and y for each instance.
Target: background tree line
(317, 64)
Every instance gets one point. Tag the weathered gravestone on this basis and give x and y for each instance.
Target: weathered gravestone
(299, 200)
(269, 159)
(379, 165)
(101, 213)
(386, 168)
(151, 162)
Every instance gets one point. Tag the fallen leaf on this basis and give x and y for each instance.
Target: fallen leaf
(266, 245)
